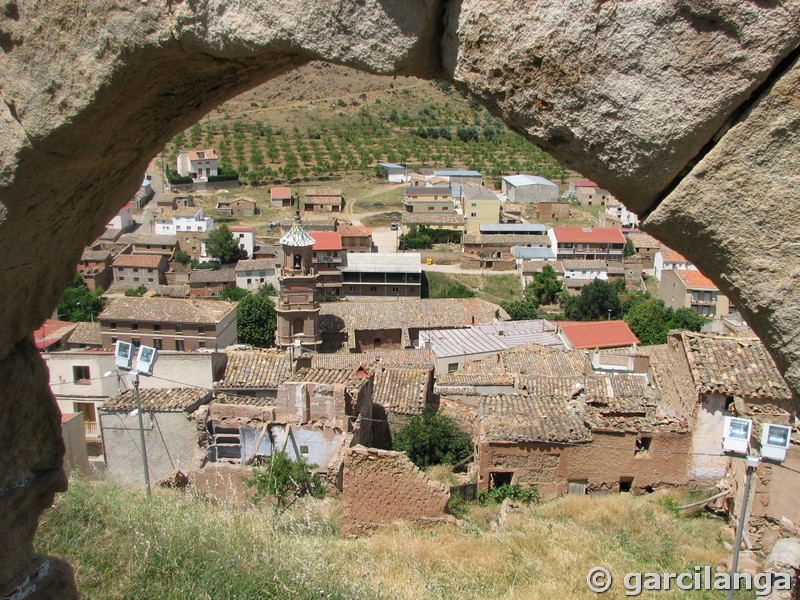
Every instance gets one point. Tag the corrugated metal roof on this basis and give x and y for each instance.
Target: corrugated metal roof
(520, 180)
(517, 333)
(403, 262)
(459, 342)
(513, 228)
(456, 173)
(526, 253)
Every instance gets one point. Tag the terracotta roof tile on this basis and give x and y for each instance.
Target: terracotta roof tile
(213, 276)
(402, 390)
(326, 240)
(525, 419)
(433, 218)
(589, 235)
(159, 400)
(598, 334)
(695, 279)
(254, 369)
(86, 333)
(734, 367)
(167, 310)
(144, 261)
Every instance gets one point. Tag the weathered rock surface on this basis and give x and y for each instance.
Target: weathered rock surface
(632, 94)
(736, 215)
(31, 467)
(624, 92)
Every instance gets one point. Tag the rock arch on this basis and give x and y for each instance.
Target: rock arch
(687, 110)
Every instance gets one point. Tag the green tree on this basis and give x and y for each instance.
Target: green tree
(136, 292)
(78, 303)
(255, 321)
(222, 245)
(597, 300)
(521, 310)
(545, 287)
(651, 320)
(433, 439)
(629, 250)
(284, 480)
(233, 293)
(267, 290)
(686, 318)
(182, 257)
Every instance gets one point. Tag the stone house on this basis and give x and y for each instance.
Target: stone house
(240, 207)
(149, 243)
(323, 200)
(95, 269)
(355, 238)
(449, 225)
(169, 323)
(380, 324)
(588, 193)
(133, 270)
(685, 288)
(384, 275)
(170, 432)
(281, 197)
(646, 247)
(611, 422)
(209, 283)
(553, 211)
(527, 189)
(251, 274)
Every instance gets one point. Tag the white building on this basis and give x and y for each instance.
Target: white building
(246, 238)
(524, 189)
(197, 164)
(189, 218)
(251, 274)
(122, 220)
(666, 260)
(617, 212)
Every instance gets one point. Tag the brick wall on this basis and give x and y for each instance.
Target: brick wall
(381, 486)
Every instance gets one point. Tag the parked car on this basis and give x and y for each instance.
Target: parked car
(394, 226)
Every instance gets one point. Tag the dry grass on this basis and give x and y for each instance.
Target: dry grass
(183, 546)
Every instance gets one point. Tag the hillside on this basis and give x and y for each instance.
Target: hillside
(180, 545)
(328, 121)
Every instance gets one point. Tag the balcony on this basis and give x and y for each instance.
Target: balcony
(91, 429)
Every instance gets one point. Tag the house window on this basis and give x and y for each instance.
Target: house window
(352, 288)
(113, 340)
(135, 270)
(498, 478)
(136, 342)
(376, 343)
(201, 344)
(81, 375)
(452, 367)
(643, 444)
(134, 327)
(473, 215)
(157, 327)
(112, 326)
(578, 487)
(304, 450)
(179, 345)
(135, 279)
(157, 343)
(395, 289)
(474, 205)
(625, 484)
(201, 330)
(149, 280)
(178, 328)
(373, 288)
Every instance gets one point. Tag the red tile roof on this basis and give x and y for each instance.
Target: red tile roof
(146, 261)
(672, 256)
(598, 334)
(281, 193)
(50, 332)
(250, 229)
(695, 279)
(584, 183)
(326, 240)
(353, 231)
(208, 154)
(590, 235)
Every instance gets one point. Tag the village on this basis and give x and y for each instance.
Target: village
(357, 349)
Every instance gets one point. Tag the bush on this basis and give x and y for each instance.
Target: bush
(136, 292)
(284, 481)
(433, 439)
(182, 257)
(513, 492)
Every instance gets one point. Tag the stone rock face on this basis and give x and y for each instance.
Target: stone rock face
(624, 92)
(736, 215)
(31, 469)
(636, 95)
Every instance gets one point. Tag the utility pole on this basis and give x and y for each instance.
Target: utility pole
(134, 378)
(752, 465)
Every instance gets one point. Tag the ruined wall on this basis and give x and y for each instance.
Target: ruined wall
(601, 463)
(707, 439)
(381, 486)
(687, 111)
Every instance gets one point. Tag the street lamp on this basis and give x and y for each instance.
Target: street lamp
(145, 360)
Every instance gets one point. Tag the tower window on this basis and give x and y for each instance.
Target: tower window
(297, 261)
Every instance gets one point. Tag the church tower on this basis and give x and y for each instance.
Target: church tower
(297, 310)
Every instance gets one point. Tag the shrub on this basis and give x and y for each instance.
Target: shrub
(284, 480)
(433, 439)
(513, 492)
(136, 292)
